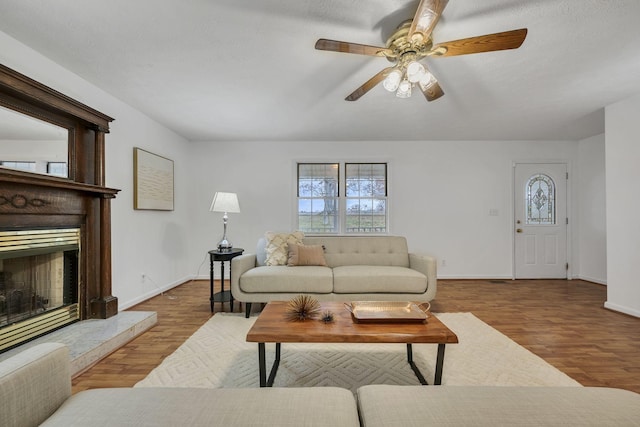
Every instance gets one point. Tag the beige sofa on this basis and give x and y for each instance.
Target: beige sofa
(373, 268)
(35, 389)
(419, 406)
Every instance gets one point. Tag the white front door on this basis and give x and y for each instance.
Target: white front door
(540, 226)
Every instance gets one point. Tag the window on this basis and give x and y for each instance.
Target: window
(22, 166)
(540, 200)
(327, 204)
(318, 197)
(57, 169)
(366, 197)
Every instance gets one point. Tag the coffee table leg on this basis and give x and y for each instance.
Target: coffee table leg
(414, 367)
(274, 368)
(264, 382)
(439, 361)
(261, 365)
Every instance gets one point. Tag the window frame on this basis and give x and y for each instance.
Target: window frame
(341, 211)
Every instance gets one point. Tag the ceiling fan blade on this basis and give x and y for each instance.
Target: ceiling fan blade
(368, 85)
(487, 43)
(426, 17)
(346, 47)
(431, 88)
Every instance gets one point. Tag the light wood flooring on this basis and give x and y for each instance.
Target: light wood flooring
(563, 322)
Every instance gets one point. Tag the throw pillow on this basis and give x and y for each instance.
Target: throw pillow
(277, 248)
(306, 255)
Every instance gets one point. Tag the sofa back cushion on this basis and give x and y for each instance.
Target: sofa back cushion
(362, 250)
(33, 384)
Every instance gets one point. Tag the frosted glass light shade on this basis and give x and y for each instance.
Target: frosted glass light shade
(392, 81)
(427, 79)
(404, 89)
(415, 71)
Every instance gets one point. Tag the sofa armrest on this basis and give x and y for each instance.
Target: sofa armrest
(240, 265)
(428, 266)
(33, 384)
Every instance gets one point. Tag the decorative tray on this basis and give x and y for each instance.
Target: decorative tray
(388, 311)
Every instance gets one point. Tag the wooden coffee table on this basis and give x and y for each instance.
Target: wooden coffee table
(273, 327)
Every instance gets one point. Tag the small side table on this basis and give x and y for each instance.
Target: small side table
(222, 256)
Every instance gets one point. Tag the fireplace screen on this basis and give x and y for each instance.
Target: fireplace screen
(38, 282)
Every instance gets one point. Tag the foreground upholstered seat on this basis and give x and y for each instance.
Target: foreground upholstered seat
(385, 405)
(35, 388)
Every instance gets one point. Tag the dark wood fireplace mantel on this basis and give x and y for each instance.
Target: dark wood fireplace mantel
(31, 201)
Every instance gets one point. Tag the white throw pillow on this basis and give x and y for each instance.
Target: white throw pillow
(278, 246)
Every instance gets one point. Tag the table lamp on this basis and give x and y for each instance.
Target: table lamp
(227, 203)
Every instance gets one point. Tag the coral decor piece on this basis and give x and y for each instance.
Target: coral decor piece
(302, 307)
(327, 317)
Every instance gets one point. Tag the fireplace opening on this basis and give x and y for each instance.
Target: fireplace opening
(38, 283)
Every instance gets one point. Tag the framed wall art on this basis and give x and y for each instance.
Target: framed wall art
(152, 181)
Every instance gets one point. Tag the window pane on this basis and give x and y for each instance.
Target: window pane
(23, 166)
(366, 191)
(57, 169)
(366, 179)
(318, 197)
(540, 200)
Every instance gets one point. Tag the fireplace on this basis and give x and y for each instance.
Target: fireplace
(38, 282)
(79, 269)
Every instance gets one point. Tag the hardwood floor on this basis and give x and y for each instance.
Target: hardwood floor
(563, 322)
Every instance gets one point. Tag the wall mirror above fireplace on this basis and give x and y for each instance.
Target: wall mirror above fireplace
(33, 145)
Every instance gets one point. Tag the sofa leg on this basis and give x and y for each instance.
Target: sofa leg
(247, 306)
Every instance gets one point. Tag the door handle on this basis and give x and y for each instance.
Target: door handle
(518, 230)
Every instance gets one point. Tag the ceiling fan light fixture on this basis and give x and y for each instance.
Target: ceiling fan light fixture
(392, 81)
(415, 71)
(426, 80)
(404, 89)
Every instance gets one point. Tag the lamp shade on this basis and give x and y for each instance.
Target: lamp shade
(225, 202)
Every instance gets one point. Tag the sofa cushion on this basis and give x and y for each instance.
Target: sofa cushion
(261, 251)
(300, 255)
(277, 248)
(383, 405)
(363, 250)
(317, 406)
(378, 279)
(284, 279)
(33, 383)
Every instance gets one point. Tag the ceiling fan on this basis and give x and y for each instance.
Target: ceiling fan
(412, 42)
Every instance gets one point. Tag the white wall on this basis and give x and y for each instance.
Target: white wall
(623, 205)
(148, 242)
(590, 215)
(440, 194)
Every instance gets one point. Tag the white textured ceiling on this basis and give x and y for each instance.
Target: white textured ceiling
(247, 69)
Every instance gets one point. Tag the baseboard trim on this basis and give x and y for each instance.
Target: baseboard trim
(472, 277)
(591, 279)
(152, 293)
(622, 309)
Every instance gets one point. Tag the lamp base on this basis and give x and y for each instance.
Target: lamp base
(224, 245)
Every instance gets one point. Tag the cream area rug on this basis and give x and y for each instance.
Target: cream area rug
(217, 355)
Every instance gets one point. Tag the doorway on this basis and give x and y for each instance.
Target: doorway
(540, 221)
